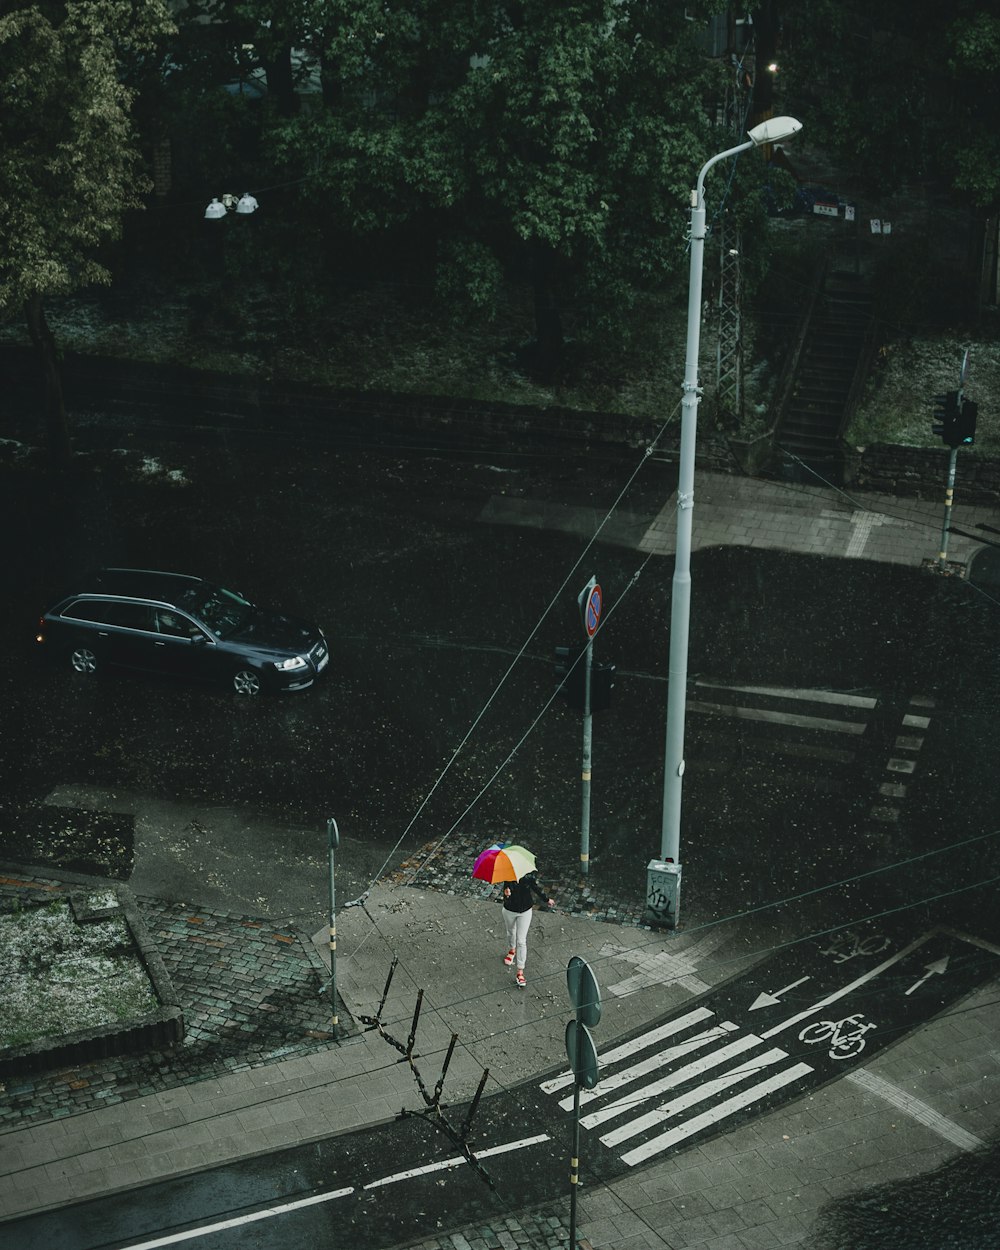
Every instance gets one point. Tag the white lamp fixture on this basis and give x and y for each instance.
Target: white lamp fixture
(774, 130)
(228, 203)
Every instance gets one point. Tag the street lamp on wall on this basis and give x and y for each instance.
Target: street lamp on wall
(663, 876)
(229, 203)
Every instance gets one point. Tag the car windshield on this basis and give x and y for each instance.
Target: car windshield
(222, 611)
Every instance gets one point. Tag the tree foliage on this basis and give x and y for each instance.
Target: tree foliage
(900, 90)
(69, 166)
(553, 140)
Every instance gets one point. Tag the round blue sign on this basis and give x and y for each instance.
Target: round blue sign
(592, 613)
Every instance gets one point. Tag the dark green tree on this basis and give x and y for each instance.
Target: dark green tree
(900, 90)
(554, 141)
(69, 165)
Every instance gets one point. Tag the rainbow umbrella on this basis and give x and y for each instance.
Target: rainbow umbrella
(503, 863)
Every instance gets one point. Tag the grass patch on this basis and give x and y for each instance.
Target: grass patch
(61, 976)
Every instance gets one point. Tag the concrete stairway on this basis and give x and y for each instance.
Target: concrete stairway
(832, 353)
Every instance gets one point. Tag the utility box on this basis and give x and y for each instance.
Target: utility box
(663, 893)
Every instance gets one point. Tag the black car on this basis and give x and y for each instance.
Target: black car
(179, 625)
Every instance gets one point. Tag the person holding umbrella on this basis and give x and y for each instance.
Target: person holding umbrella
(515, 867)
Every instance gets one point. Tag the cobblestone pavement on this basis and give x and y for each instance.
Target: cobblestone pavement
(252, 994)
(544, 1229)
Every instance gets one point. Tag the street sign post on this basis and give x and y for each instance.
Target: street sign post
(585, 995)
(590, 602)
(584, 992)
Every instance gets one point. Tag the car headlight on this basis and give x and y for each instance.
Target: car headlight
(293, 662)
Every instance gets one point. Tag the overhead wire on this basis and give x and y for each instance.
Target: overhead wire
(656, 939)
(514, 662)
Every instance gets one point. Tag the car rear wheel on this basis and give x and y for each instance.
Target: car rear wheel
(247, 681)
(83, 660)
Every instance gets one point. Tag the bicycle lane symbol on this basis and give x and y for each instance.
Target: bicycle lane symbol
(847, 1036)
(845, 1042)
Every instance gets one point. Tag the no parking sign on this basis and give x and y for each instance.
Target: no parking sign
(591, 601)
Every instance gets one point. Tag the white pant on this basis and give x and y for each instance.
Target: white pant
(517, 923)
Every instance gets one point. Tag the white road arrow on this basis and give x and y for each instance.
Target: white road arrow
(844, 990)
(938, 966)
(772, 1000)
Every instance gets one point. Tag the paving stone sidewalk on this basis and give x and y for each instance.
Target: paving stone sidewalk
(253, 994)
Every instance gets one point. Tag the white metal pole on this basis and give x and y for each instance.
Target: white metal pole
(680, 602)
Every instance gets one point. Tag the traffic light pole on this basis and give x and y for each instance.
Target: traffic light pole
(949, 495)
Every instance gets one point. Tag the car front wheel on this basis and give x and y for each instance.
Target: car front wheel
(83, 660)
(247, 681)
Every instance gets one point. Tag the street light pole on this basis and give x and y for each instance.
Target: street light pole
(663, 878)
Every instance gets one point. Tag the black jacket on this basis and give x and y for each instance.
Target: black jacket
(521, 891)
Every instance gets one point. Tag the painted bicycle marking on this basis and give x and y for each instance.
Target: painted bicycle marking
(848, 945)
(844, 1043)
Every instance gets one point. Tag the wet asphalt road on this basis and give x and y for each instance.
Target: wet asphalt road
(426, 608)
(807, 1015)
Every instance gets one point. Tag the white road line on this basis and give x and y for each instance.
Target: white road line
(782, 692)
(660, 1060)
(664, 1141)
(237, 1221)
(914, 1107)
(687, 1073)
(853, 985)
(642, 1042)
(313, 1200)
(700, 1094)
(778, 718)
(457, 1161)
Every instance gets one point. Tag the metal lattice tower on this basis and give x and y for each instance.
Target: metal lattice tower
(729, 356)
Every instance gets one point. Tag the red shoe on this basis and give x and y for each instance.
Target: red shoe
(520, 978)
(509, 958)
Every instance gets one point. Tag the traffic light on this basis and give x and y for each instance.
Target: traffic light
(946, 409)
(570, 674)
(571, 677)
(955, 419)
(965, 424)
(602, 681)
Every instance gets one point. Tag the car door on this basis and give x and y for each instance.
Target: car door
(115, 630)
(182, 647)
(131, 636)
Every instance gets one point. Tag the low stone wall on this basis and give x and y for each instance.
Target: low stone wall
(172, 390)
(157, 1030)
(921, 472)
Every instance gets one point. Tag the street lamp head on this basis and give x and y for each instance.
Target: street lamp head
(774, 130)
(246, 203)
(215, 210)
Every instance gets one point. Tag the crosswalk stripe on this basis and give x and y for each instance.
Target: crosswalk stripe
(679, 1077)
(779, 718)
(812, 696)
(642, 1042)
(660, 1060)
(714, 1115)
(700, 1094)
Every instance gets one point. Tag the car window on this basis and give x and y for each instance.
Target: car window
(219, 610)
(125, 615)
(174, 624)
